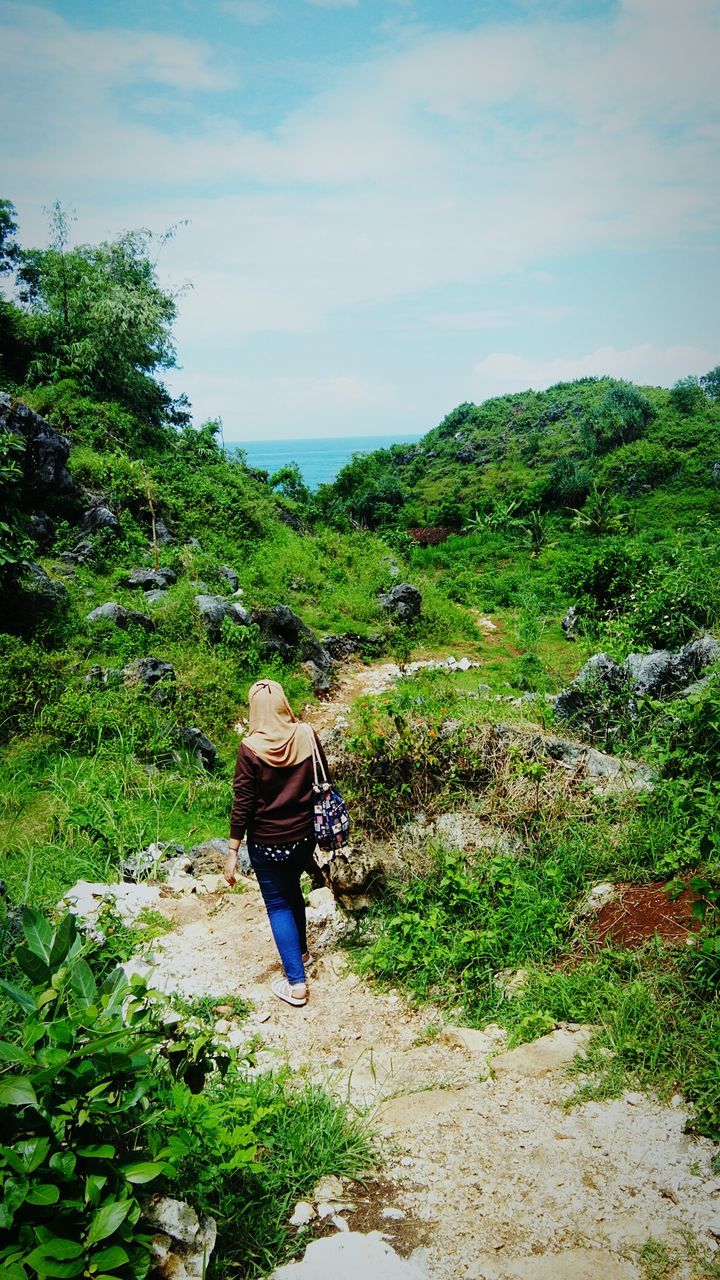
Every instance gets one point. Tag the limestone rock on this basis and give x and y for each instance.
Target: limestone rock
(538, 1057)
(403, 602)
(302, 1214)
(40, 594)
(229, 575)
(122, 617)
(571, 1264)
(150, 579)
(86, 897)
(162, 533)
(153, 676)
(596, 898)
(197, 744)
(569, 623)
(213, 609)
(43, 461)
(41, 528)
(210, 856)
(183, 1242)
(97, 516)
(352, 1255)
(284, 634)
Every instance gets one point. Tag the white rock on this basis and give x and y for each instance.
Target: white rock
(597, 898)
(329, 1189)
(354, 1256)
(222, 1026)
(182, 1241)
(549, 1053)
(86, 898)
(339, 1223)
(392, 1214)
(303, 1213)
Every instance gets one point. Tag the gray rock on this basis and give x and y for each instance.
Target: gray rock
(162, 533)
(210, 856)
(198, 745)
(41, 528)
(150, 579)
(285, 634)
(148, 862)
(213, 609)
(41, 593)
(104, 677)
(319, 678)
(156, 596)
(600, 675)
(122, 617)
(229, 575)
(403, 602)
(466, 454)
(98, 516)
(652, 674)
(45, 455)
(343, 646)
(716, 471)
(153, 676)
(569, 623)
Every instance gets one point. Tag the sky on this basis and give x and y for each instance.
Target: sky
(385, 207)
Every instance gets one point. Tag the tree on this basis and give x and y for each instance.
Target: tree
(9, 247)
(624, 415)
(686, 395)
(710, 383)
(289, 481)
(103, 319)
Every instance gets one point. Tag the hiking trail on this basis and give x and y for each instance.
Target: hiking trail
(483, 1174)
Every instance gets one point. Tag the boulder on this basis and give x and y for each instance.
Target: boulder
(163, 535)
(351, 873)
(198, 745)
(41, 528)
(44, 459)
(147, 863)
(285, 634)
(403, 602)
(153, 676)
(569, 623)
(150, 579)
(716, 471)
(181, 1242)
(122, 617)
(229, 575)
(213, 609)
(343, 646)
(320, 679)
(40, 594)
(209, 856)
(466, 454)
(98, 516)
(658, 674)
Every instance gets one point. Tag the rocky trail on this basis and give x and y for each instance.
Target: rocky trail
(483, 1174)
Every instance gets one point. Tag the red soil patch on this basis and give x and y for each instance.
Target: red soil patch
(642, 911)
(431, 535)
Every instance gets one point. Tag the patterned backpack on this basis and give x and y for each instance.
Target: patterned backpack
(330, 812)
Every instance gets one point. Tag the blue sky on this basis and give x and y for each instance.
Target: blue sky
(393, 206)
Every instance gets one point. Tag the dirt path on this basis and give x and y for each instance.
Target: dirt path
(484, 1174)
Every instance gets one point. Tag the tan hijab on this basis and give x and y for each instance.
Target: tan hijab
(275, 735)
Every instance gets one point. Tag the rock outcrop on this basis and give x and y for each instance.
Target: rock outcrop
(283, 633)
(122, 617)
(659, 674)
(44, 458)
(403, 602)
(213, 609)
(150, 579)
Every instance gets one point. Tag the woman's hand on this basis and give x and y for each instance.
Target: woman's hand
(230, 868)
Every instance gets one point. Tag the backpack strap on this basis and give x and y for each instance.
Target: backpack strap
(319, 775)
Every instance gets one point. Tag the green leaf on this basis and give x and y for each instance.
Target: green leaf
(13, 1053)
(107, 1220)
(14, 1192)
(63, 939)
(112, 1257)
(17, 1091)
(12, 1160)
(143, 1171)
(63, 1162)
(83, 982)
(18, 995)
(43, 1193)
(94, 1184)
(33, 1152)
(38, 933)
(33, 966)
(54, 1269)
(100, 1151)
(60, 1249)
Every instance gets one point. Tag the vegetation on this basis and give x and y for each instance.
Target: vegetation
(595, 493)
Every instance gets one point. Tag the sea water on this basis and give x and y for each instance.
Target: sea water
(319, 460)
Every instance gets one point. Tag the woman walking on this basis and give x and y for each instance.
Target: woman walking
(273, 803)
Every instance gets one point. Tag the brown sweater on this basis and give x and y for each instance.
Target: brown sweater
(274, 805)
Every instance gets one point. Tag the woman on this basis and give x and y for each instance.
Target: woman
(273, 802)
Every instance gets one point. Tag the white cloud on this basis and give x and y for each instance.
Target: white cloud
(501, 372)
(253, 13)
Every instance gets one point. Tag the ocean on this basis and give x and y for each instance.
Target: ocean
(319, 460)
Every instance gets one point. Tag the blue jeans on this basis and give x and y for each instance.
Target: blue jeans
(280, 887)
